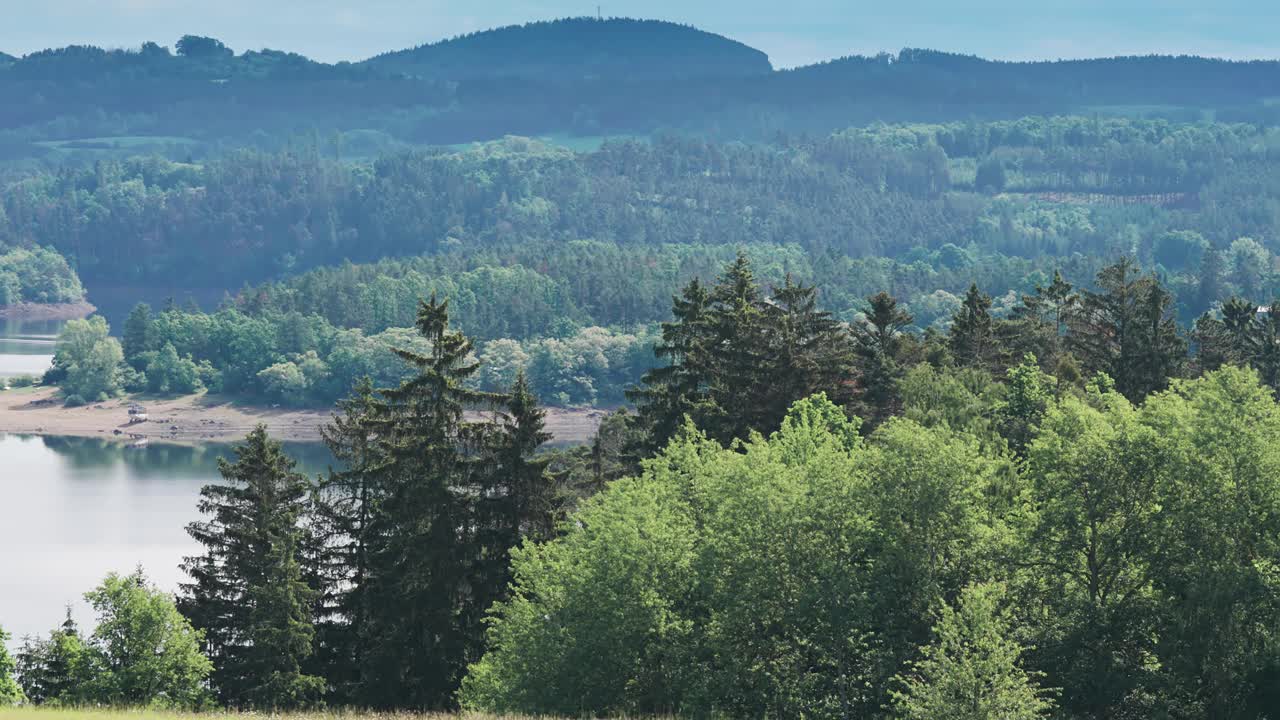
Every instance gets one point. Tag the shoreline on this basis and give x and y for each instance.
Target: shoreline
(196, 419)
(52, 311)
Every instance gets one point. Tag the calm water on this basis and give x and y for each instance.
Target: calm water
(74, 509)
(26, 346)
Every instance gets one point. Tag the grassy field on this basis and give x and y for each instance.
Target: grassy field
(93, 714)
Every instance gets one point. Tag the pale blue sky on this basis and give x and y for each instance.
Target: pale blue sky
(791, 31)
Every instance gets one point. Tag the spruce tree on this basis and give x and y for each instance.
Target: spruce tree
(139, 336)
(516, 495)
(247, 590)
(972, 339)
(48, 669)
(810, 352)
(877, 342)
(422, 628)
(1127, 330)
(670, 392)
(739, 356)
(1038, 325)
(346, 501)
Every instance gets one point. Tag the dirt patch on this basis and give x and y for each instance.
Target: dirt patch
(37, 311)
(201, 418)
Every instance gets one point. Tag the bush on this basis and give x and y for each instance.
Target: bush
(74, 400)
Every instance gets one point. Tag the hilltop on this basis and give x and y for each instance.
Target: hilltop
(582, 49)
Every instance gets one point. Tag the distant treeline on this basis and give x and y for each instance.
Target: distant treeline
(576, 76)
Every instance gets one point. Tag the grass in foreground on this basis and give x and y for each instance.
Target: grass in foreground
(31, 713)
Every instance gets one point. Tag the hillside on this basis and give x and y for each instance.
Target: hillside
(578, 49)
(573, 77)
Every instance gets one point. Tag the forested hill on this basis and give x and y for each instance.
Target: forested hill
(573, 77)
(576, 49)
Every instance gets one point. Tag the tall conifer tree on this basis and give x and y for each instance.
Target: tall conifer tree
(247, 590)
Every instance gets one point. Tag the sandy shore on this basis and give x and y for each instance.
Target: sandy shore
(199, 418)
(36, 311)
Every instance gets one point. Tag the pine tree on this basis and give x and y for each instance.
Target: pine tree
(1212, 271)
(739, 356)
(247, 591)
(1039, 324)
(972, 338)
(877, 342)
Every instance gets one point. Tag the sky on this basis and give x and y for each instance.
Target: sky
(792, 32)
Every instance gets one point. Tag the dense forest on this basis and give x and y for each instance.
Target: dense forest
(562, 263)
(1046, 515)
(938, 387)
(581, 76)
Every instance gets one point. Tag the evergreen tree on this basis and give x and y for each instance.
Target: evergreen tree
(516, 496)
(345, 503)
(247, 591)
(1126, 329)
(971, 670)
(670, 392)
(1039, 324)
(809, 353)
(739, 356)
(50, 668)
(422, 626)
(972, 339)
(1212, 270)
(139, 335)
(877, 341)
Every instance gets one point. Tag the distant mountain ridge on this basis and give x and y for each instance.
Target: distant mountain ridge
(582, 48)
(574, 77)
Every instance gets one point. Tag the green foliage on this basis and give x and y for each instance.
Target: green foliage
(90, 360)
(748, 582)
(971, 671)
(51, 670)
(247, 594)
(37, 275)
(10, 692)
(143, 652)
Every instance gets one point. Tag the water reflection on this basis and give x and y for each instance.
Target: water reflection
(26, 346)
(73, 509)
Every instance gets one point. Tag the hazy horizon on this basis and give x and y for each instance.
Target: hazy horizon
(795, 33)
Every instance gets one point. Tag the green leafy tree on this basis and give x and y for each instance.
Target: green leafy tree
(89, 359)
(143, 652)
(10, 692)
(247, 593)
(972, 670)
(169, 374)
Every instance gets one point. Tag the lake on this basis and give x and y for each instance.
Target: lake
(74, 509)
(26, 346)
